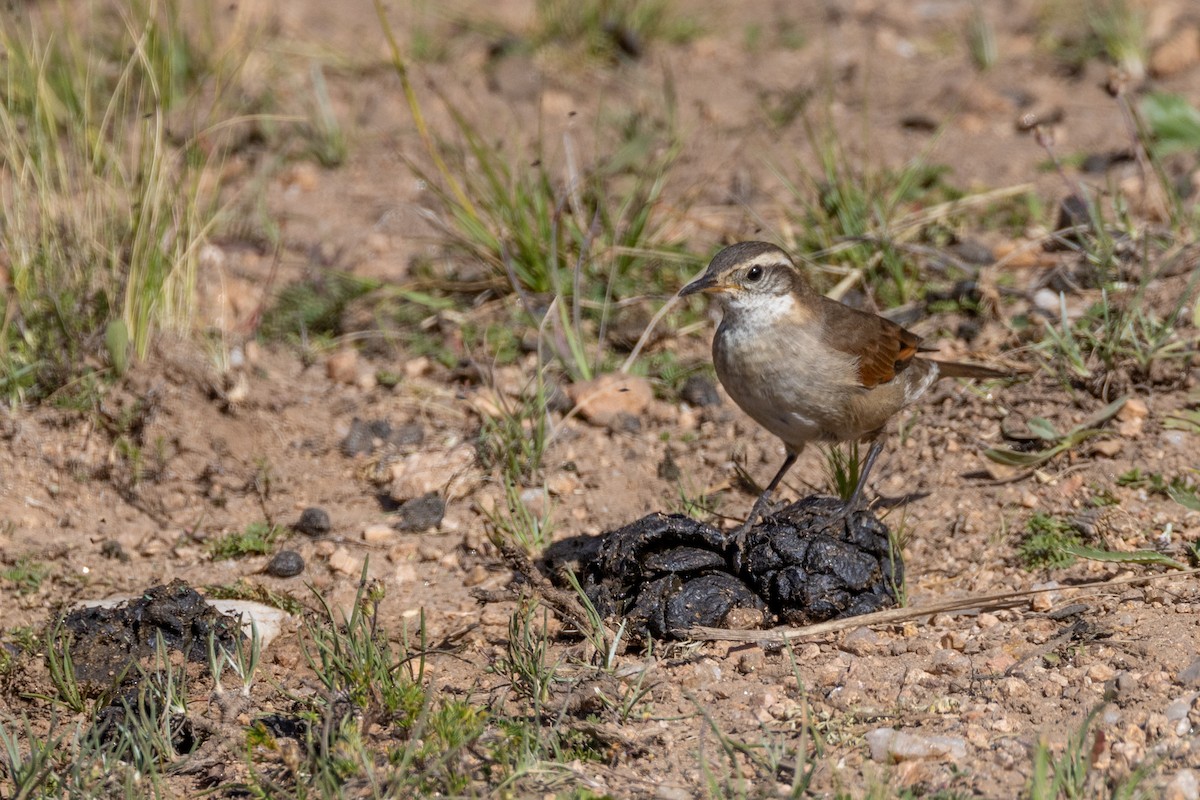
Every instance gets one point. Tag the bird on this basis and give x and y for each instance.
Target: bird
(808, 368)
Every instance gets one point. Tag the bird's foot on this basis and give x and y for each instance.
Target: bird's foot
(761, 507)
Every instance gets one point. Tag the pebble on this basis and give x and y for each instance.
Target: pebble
(1189, 676)
(1046, 300)
(750, 661)
(1179, 52)
(430, 471)
(602, 401)
(416, 367)
(1132, 417)
(1175, 438)
(285, 564)
(1184, 786)
(950, 662)
(378, 533)
(1108, 447)
(475, 576)
(1177, 714)
(114, 549)
(861, 642)
(562, 484)
(891, 746)
(342, 366)
(1046, 600)
(341, 561)
(313, 521)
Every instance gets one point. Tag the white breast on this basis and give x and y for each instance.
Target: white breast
(768, 371)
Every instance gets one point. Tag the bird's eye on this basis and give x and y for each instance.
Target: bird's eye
(754, 274)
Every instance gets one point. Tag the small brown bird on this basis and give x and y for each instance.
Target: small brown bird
(807, 368)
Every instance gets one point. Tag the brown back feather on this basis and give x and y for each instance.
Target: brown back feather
(882, 347)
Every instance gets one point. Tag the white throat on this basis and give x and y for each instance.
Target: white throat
(761, 310)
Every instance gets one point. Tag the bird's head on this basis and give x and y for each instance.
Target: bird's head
(748, 271)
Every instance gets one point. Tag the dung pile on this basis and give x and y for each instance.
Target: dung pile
(665, 574)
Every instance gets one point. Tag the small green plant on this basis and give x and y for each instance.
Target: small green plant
(312, 310)
(29, 762)
(61, 667)
(353, 660)
(1119, 26)
(243, 661)
(526, 661)
(1047, 543)
(1044, 432)
(516, 522)
(861, 219)
(609, 29)
(1071, 775)
(514, 438)
(257, 538)
(1153, 482)
(27, 574)
(1174, 123)
(1107, 339)
(842, 467)
(373, 686)
(106, 209)
(326, 137)
(981, 38)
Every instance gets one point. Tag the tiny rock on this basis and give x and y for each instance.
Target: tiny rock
(342, 366)
(1134, 408)
(341, 561)
(891, 746)
(1184, 786)
(476, 575)
(1108, 447)
(750, 661)
(861, 642)
(950, 662)
(377, 534)
(602, 400)
(562, 484)
(1190, 675)
(1179, 52)
(428, 471)
(1016, 255)
(416, 367)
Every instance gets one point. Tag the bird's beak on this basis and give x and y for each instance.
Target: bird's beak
(706, 283)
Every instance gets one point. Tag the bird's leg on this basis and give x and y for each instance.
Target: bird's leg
(764, 499)
(855, 500)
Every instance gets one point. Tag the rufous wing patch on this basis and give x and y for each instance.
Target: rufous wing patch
(882, 347)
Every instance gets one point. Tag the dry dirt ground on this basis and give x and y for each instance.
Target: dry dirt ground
(898, 84)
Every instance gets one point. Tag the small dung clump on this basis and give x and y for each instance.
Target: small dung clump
(285, 564)
(313, 522)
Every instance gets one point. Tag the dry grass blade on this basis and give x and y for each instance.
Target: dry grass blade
(986, 602)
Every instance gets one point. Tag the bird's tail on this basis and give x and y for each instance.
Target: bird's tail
(957, 369)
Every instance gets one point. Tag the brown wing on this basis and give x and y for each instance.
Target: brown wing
(882, 347)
